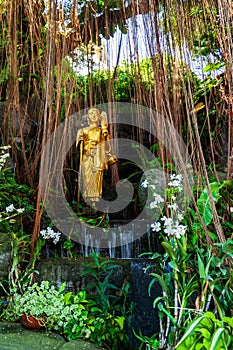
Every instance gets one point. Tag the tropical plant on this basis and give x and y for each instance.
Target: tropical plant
(221, 198)
(193, 278)
(54, 308)
(43, 302)
(76, 316)
(110, 304)
(15, 207)
(207, 332)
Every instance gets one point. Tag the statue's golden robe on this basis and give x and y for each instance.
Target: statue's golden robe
(94, 157)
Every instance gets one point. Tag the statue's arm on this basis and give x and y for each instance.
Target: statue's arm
(79, 136)
(104, 123)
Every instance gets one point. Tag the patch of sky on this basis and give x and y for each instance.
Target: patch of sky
(140, 42)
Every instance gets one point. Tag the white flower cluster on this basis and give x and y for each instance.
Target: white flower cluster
(145, 183)
(231, 209)
(172, 228)
(11, 208)
(4, 154)
(11, 211)
(50, 234)
(176, 181)
(157, 198)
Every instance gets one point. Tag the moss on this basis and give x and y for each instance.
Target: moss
(5, 253)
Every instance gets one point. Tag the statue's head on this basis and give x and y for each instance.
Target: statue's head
(93, 115)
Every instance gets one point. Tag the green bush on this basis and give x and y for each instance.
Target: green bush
(208, 332)
(76, 316)
(107, 308)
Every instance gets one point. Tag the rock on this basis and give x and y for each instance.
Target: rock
(8, 327)
(79, 345)
(5, 254)
(14, 337)
(27, 340)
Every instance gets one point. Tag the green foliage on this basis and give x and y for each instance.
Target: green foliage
(151, 342)
(207, 332)
(54, 308)
(99, 318)
(4, 41)
(41, 301)
(204, 204)
(122, 80)
(101, 272)
(97, 8)
(15, 208)
(205, 39)
(193, 278)
(124, 83)
(68, 245)
(11, 193)
(222, 199)
(109, 304)
(191, 283)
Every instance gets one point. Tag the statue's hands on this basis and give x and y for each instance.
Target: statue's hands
(105, 133)
(103, 115)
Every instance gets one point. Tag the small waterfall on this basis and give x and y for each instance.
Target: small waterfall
(126, 240)
(122, 244)
(86, 248)
(112, 246)
(130, 247)
(96, 249)
(89, 246)
(62, 250)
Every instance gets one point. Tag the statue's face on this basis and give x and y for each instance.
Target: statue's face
(93, 115)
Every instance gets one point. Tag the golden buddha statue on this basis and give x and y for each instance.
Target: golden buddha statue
(95, 155)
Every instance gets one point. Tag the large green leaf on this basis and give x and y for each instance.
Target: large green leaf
(193, 325)
(229, 321)
(169, 250)
(201, 267)
(216, 338)
(203, 201)
(120, 320)
(174, 266)
(161, 281)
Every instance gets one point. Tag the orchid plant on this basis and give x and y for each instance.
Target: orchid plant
(171, 224)
(11, 223)
(191, 278)
(171, 229)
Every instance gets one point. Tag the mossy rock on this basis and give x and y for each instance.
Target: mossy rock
(5, 254)
(15, 337)
(27, 340)
(79, 345)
